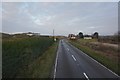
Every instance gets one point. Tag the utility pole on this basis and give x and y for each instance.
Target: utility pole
(53, 33)
(54, 36)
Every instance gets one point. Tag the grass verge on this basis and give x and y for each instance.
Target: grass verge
(42, 66)
(19, 53)
(109, 63)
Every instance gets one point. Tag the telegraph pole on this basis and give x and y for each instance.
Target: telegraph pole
(54, 35)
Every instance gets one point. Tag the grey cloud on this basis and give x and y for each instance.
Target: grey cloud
(65, 18)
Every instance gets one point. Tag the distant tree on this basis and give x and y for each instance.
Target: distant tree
(95, 35)
(117, 37)
(119, 33)
(80, 35)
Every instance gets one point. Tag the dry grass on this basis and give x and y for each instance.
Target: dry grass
(107, 50)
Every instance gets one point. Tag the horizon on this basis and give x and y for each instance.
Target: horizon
(52, 34)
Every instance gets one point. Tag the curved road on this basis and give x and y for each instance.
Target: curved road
(73, 63)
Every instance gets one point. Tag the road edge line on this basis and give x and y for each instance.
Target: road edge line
(55, 65)
(102, 65)
(97, 62)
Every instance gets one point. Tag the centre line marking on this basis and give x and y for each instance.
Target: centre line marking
(86, 76)
(68, 49)
(73, 57)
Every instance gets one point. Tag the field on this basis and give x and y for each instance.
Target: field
(27, 57)
(105, 54)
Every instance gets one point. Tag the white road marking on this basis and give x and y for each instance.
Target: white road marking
(73, 57)
(68, 49)
(55, 65)
(101, 65)
(97, 62)
(86, 76)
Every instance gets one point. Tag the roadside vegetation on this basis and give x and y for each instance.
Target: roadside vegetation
(28, 57)
(105, 54)
(109, 39)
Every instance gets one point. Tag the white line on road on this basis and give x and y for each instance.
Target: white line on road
(68, 49)
(73, 57)
(101, 64)
(86, 76)
(97, 62)
(55, 66)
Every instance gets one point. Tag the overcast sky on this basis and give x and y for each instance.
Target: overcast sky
(63, 17)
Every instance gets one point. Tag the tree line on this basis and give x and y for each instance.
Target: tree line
(95, 35)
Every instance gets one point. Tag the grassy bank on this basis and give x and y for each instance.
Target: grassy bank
(42, 66)
(19, 54)
(111, 63)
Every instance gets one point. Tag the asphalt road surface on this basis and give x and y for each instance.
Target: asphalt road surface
(73, 63)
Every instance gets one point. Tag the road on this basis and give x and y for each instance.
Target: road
(73, 63)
